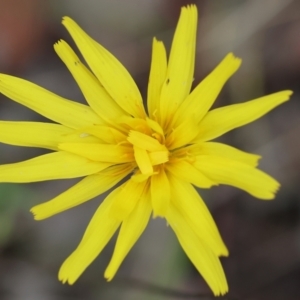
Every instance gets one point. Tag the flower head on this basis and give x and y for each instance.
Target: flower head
(163, 151)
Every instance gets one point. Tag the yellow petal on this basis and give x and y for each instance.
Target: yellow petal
(107, 134)
(99, 231)
(88, 188)
(137, 124)
(35, 134)
(224, 119)
(158, 131)
(144, 141)
(57, 165)
(130, 194)
(204, 95)
(139, 177)
(181, 64)
(100, 152)
(58, 109)
(203, 258)
(183, 134)
(157, 77)
(130, 231)
(186, 199)
(160, 193)
(222, 150)
(158, 157)
(110, 72)
(143, 160)
(187, 172)
(238, 174)
(95, 94)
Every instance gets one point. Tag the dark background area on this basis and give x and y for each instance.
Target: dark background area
(263, 237)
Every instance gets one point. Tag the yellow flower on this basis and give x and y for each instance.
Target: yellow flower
(163, 152)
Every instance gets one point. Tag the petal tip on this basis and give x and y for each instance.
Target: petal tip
(32, 210)
(289, 93)
(35, 212)
(108, 275)
(237, 61)
(59, 42)
(65, 276)
(66, 19)
(224, 252)
(273, 190)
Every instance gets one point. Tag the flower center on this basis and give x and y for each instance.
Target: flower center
(148, 151)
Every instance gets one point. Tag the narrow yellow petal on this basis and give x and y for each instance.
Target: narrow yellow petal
(181, 64)
(54, 107)
(100, 152)
(95, 94)
(107, 134)
(143, 160)
(110, 72)
(136, 124)
(157, 77)
(37, 134)
(183, 134)
(57, 165)
(223, 150)
(228, 171)
(160, 193)
(187, 172)
(186, 199)
(203, 96)
(224, 119)
(203, 258)
(99, 231)
(158, 157)
(139, 177)
(130, 231)
(144, 141)
(130, 194)
(158, 131)
(88, 188)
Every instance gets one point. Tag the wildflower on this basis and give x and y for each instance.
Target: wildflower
(163, 152)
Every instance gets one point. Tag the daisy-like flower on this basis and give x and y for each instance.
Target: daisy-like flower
(163, 150)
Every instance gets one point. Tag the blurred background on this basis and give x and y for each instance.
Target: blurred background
(263, 237)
